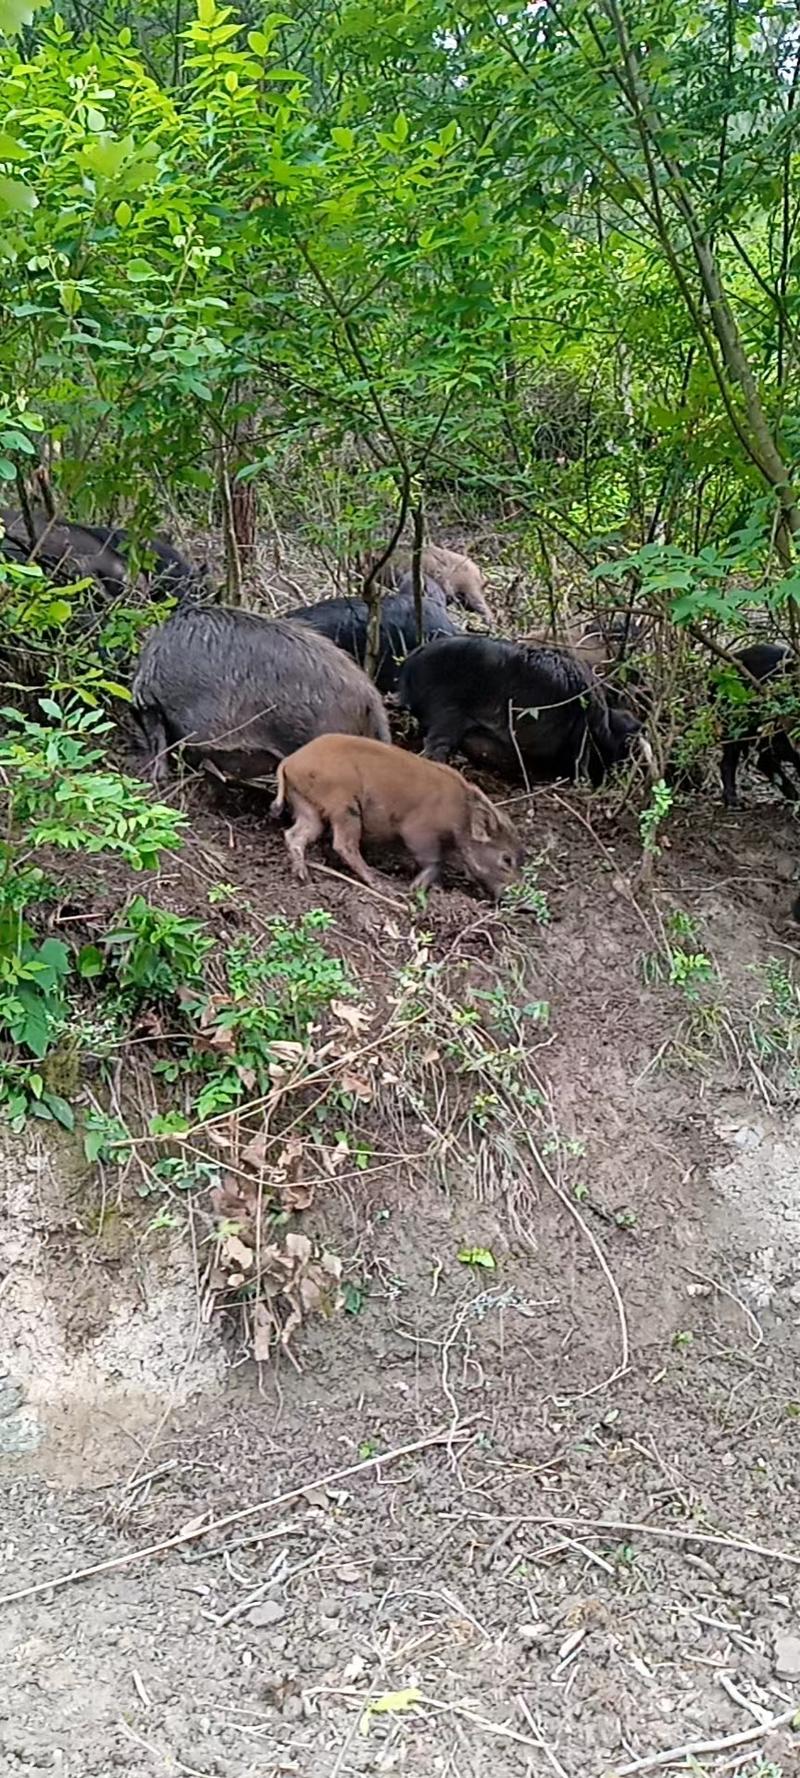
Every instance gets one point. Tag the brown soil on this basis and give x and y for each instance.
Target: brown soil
(534, 1646)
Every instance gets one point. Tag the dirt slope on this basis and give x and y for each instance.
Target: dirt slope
(631, 1362)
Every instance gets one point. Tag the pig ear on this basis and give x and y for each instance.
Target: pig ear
(482, 820)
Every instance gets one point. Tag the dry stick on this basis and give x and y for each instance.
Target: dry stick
(605, 1268)
(444, 1436)
(326, 870)
(547, 1750)
(684, 1534)
(672, 1754)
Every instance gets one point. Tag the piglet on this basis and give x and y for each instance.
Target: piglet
(364, 789)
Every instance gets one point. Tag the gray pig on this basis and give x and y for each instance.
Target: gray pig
(242, 691)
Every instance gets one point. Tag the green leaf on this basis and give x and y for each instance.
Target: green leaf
(93, 1143)
(54, 952)
(10, 148)
(62, 1112)
(16, 13)
(478, 1256)
(70, 298)
(139, 271)
(36, 1027)
(389, 1704)
(11, 440)
(8, 471)
(90, 962)
(345, 139)
(57, 612)
(123, 215)
(15, 196)
(106, 156)
(401, 128)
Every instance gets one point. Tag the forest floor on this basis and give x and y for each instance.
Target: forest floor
(596, 1556)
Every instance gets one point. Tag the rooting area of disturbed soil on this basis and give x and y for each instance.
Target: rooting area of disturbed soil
(599, 1559)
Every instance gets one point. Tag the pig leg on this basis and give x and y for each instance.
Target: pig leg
(443, 736)
(154, 735)
(346, 833)
(732, 752)
(307, 827)
(427, 851)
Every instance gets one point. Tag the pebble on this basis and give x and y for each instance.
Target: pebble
(530, 1634)
(787, 1657)
(270, 1611)
(794, 1293)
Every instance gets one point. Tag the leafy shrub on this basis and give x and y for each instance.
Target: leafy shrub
(59, 793)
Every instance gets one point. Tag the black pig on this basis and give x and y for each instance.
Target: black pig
(345, 622)
(763, 661)
(516, 710)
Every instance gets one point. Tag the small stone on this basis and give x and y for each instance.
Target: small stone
(269, 1611)
(530, 1634)
(787, 1657)
(744, 1136)
(12, 1396)
(794, 1293)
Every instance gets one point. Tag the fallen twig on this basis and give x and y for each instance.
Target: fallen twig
(327, 870)
(547, 1750)
(685, 1534)
(605, 1268)
(444, 1436)
(692, 1748)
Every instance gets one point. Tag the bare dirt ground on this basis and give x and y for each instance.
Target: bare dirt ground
(599, 1561)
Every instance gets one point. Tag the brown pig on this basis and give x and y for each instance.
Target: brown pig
(368, 789)
(460, 577)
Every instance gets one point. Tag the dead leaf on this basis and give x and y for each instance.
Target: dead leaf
(296, 1196)
(291, 1155)
(311, 1295)
(254, 1154)
(149, 1024)
(262, 1335)
(299, 1247)
(352, 1083)
(247, 1077)
(234, 1251)
(353, 1016)
(288, 1051)
(193, 1525)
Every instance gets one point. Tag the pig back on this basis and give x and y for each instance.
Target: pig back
(67, 551)
(252, 685)
(346, 622)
